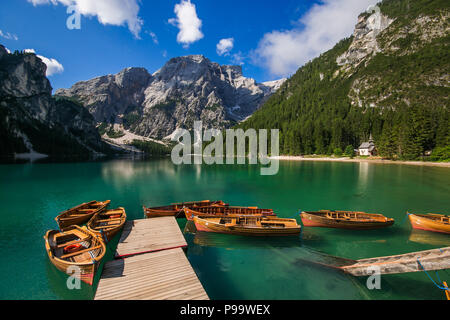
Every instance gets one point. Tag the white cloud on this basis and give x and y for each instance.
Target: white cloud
(238, 58)
(283, 52)
(53, 66)
(8, 36)
(108, 12)
(188, 23)
(153, 36)
(225, 46)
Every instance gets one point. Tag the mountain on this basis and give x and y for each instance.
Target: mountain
(32, 121)
(390, 78)
(184, 90)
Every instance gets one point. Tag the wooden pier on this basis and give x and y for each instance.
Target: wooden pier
(150, 265)
(435, 259)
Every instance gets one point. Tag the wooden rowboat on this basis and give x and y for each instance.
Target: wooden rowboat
(107, 223)
(80, 214)
(430, 222)
(212, 212)
(75, 251)
(176, 209)
(345, 220)
(249, 226)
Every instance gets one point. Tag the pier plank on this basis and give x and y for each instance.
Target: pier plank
(149, 235)
(162, 275)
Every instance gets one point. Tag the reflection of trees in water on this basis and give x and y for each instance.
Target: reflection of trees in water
(129, 169)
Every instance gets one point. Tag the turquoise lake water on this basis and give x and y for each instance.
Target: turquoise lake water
(230, 267)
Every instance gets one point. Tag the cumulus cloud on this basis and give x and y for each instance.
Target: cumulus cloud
(53, 66)
(283, 52)
(108, 12)
(225, 46)
(188, 23)
(8, 36)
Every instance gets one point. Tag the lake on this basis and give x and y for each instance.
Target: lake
(230, 267)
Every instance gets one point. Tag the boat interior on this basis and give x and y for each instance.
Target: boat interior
(351, 215)
(86, 247)
(108, 219)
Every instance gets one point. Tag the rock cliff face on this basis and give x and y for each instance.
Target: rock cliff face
(184, 90)
(32, 120)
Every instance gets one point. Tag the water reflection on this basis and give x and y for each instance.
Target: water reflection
(431, 238)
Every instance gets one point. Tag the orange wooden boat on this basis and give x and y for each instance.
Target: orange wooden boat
(249, 226)
(80, 214)
(211, 212)
(107, 223)
(430, 222)
(176, 209)
(345, 220)
(75, 251)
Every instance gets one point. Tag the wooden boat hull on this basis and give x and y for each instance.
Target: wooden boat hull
(206, 225)
(321, 221)
(429, 222)
(176, 209)
(84, 269)
(212, 212)
(66, 219)
(105, 225)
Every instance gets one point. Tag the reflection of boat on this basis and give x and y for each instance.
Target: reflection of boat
(80, 214)
(224, 212)
(430, 222)
(176, 209)
(218, 240)
(432, 238)
(75, 251)
(249, 226)
(345, 220)
(211, 212)
(108, 223)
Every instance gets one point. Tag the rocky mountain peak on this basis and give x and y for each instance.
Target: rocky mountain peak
(184, 90)
(364, 43)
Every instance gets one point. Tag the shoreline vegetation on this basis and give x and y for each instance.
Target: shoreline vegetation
(377, 160)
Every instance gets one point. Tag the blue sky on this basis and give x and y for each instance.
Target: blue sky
(271, 39)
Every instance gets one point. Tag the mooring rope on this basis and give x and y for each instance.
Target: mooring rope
(441, 285)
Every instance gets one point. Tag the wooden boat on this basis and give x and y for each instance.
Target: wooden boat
(249, 226)
(430, 222)
(345, 220)
(212, 212)
(80, 214)
(176, 209)
(75, 251)
(107, 223)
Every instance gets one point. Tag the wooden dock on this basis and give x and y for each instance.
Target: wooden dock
(435, 259)
(149, 235)
(150, 265)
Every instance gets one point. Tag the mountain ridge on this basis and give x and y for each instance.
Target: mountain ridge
(184, 90)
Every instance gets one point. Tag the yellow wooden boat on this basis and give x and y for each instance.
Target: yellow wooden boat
(107, 223)
(248, 225)
(430, 222)
(80, 214)
(75, 251)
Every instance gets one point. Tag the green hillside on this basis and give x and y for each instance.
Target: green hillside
(399, 94)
